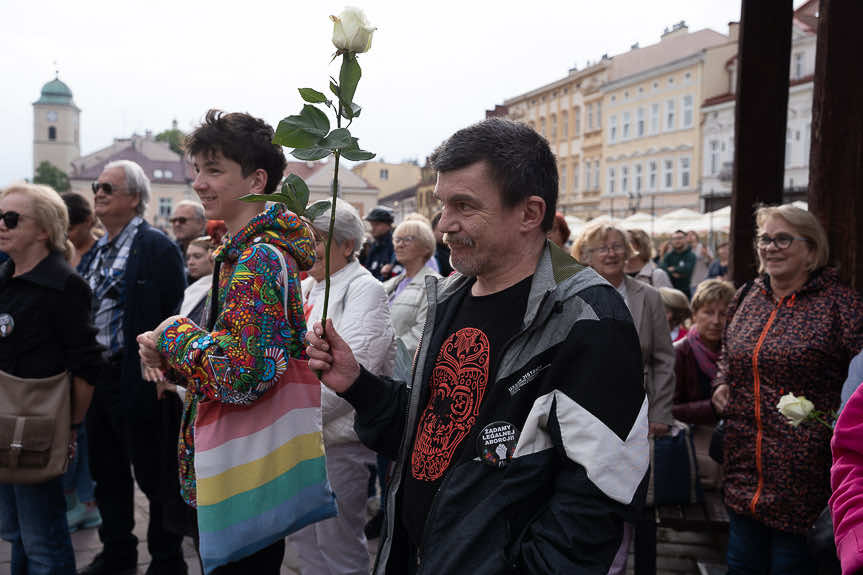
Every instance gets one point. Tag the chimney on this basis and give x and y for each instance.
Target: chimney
(733, 31)
(678, 29)
(634, 46)
(174, 124)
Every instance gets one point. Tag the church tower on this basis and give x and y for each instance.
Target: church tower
(56, 135)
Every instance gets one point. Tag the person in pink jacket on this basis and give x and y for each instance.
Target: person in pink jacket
(846, 480)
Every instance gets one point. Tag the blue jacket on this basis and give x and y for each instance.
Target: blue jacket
(155, 282)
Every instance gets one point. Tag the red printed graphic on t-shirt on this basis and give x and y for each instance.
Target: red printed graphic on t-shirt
(457, 386)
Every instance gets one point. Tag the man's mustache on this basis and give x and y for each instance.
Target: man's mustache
(460, 241)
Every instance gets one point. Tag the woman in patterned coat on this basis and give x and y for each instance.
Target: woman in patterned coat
(794, 329)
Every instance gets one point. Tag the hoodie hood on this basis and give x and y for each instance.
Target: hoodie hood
(276, 226)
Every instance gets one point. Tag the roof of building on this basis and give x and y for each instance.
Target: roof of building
(807, 15)
(320, 174)
(675, 46)
(154, 157)
(55, 92)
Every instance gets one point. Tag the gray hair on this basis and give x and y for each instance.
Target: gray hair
(199, 209)
(348, 225)
(422, 232)
(137, 182)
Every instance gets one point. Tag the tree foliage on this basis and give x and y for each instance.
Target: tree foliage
(174, 137)
(50, 175)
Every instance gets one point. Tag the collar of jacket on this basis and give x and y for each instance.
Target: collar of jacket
(52, 272)
(817, 280)
(276, 226)
(391, 284)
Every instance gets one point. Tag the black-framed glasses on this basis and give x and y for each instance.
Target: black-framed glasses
(104, 186)
(179, 220)
(10, 219)
(403, 240)
(781, 241)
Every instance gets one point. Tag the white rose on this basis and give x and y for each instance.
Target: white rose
(795, 409)
(352, 31)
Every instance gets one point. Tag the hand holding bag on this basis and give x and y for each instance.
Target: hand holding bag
(673, 468)
(35, 418)
(260, 468)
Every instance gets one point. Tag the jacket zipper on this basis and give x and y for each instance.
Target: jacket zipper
(760, 431)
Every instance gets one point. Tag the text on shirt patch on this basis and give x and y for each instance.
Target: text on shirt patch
(526, 378)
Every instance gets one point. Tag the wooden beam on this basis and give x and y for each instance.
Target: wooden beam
(763, 60)
(836, 158)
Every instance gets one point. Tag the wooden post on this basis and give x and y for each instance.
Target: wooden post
(836, 158)
(763, 61)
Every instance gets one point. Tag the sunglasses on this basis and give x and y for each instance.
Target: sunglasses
(179, 220)
(104, 186)
(10, 219)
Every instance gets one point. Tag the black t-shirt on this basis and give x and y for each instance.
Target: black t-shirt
(465, 366)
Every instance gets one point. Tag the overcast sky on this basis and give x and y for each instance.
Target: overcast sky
(432, 68)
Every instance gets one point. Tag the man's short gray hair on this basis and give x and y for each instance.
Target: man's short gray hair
(137, 182)
(199, 209)
(348, 225)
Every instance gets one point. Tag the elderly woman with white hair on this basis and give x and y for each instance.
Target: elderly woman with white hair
(414, 245)
(358, 308)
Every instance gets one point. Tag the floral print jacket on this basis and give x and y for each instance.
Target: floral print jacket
(250, 343)
(779, 474)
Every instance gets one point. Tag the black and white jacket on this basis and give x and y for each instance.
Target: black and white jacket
(570, 382)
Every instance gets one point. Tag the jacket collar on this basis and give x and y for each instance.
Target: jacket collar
(52, 272)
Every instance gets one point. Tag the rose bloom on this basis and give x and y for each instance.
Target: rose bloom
(352, 31)
(795, 409)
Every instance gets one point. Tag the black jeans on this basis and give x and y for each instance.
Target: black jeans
(267, 561)
(140, 436)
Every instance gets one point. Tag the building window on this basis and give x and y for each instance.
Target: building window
(640, 123)
(599, 115)
(654, 118)
(714, 157)
(384, 174)
(624, 179)
(590, 117)
(575, 176)
(587, 176)
(670, 80)
(638, 169)
(577, 122)
(157, 174)
(564, 125)
(669, 115)
(788, 146)
(52, 133)
(612, 129)
(667, 174)
(165, 208)
(610, 180)
(596, 175)
(562, 171)
(651, 174)
(688, 111)
(169, 174)
(806, 142)
(798, 65)
(554, 127)
(626, 122)
(684, 173)
(542, 127)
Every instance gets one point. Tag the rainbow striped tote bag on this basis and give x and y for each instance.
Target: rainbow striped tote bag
(260, 468)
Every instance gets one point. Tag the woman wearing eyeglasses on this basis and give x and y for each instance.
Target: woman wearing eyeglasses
(606, 249)
(794, 329)
(45, 330)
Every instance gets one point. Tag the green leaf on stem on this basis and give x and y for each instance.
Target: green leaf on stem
(338, 138)
(349, 77)
(317, 209)
(300, 191)
(311, 154)
(312, 96)
(251, 198)
(353, 152)
(334, 88)
(316, 118)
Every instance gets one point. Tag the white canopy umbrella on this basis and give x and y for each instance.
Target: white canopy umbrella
(638, 220)
(676, 220)
(575, 225)
(717, 221)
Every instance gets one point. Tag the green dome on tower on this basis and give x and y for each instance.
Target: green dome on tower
(55, 92)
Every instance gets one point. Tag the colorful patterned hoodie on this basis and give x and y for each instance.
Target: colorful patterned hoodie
(251, 341)
(779, 474)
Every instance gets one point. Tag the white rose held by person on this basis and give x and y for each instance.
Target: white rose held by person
(352, 31)
(795, 409)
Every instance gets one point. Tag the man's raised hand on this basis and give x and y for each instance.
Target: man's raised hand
(332, 357)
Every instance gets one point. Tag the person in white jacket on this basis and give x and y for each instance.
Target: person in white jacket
(359, 310)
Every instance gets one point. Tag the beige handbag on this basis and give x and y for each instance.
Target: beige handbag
(35, 418)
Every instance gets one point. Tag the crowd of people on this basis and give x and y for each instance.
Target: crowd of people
(499, 393)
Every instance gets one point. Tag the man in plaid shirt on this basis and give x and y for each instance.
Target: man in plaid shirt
(136, 274)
